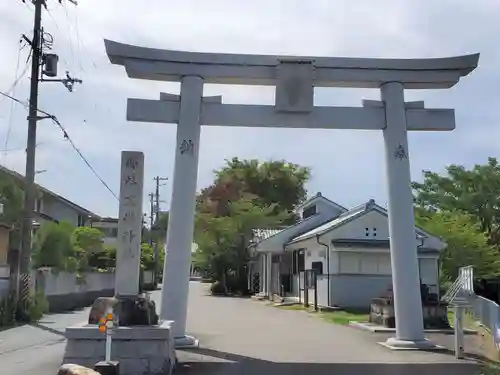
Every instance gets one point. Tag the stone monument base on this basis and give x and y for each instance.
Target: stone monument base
(186, 342)
(137, 310)
(396, 344)
(139, 349)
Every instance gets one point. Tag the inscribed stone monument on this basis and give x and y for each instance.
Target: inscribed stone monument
(130, 221)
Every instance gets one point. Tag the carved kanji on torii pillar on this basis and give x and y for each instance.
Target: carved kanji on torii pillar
(295, 79)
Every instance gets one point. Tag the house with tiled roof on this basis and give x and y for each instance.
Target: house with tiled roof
(50, 206)
(342, 253)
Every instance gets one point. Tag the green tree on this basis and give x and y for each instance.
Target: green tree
(88, 244)
(466, 244)
(222, 241)
(11, 197)
(148, 257)
(471, 191)
(215, 239)
(109, 256)
(246, 194)
(52, 247)
(276, 183)
(159, 231)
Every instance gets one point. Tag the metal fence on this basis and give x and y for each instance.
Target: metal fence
(487, 313)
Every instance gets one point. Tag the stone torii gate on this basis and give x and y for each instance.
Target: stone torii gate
(295, 79)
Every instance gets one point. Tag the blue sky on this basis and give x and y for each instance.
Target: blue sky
(347, 166)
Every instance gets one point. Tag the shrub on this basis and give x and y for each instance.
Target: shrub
(218, 289)
(33, 308)
(7, 310)
(237, 285)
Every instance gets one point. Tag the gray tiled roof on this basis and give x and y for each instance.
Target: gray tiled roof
(264, 233)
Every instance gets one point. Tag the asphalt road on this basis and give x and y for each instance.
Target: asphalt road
(241, 336)
(36, 349)
(248, 337)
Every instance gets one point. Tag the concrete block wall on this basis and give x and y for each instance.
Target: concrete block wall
(67, 291)
(4, 287)
(357, 291)
(148, 280)
(140, 349)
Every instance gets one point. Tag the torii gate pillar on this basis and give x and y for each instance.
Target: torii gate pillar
(404, 260)
(176, 269)
(295, 79)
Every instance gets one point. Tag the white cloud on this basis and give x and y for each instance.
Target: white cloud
(347, 165)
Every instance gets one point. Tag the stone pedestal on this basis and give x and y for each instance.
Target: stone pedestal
(434, 314)
(128, 311)
(140, 350)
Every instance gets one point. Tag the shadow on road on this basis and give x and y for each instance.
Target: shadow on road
(48, 329)
(222, 363)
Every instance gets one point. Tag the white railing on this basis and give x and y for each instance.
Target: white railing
(463, 287)
(487, 312)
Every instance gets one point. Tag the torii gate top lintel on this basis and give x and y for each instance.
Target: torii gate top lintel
(244, 69)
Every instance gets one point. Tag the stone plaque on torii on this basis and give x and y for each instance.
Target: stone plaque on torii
(295, 79)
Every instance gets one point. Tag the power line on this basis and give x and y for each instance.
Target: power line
(20, 76)
(67, 137)
(12, 104)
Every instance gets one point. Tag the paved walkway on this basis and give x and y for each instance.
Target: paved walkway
(36, 349)
(240, 336)
(248, 337)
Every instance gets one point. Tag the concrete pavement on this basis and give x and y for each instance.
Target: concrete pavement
(240, 336)
(36, 349)
(248, 337)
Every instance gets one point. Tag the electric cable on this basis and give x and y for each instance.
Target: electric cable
(67, 137)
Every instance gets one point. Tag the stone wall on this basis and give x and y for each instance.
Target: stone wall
(148, 280)
(139, 349)
(4, 287)
(68, 291)
(356, 291)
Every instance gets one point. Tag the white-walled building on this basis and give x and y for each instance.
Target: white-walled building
(348, 248)
(109, 226)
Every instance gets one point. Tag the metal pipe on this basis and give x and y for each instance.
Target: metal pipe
(327, 247)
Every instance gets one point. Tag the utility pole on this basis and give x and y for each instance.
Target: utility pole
(151, 217)
(29, 189)
(22, 286)
(157, 221)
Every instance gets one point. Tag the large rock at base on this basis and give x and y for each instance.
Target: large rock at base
(70, 369)
(128, 311)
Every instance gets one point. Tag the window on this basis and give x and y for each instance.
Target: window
(301, 261)
(317, 267)
(110, 232)
(349, 263)
(384, 264)
(297, 262)
(367, 232)
(369, 264)
(374, 232)
(309, 211)
(81, 221)
(38, 205)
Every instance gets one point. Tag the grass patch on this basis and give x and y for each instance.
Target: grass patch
(293, 307)
(468, 320)
(341, 317)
